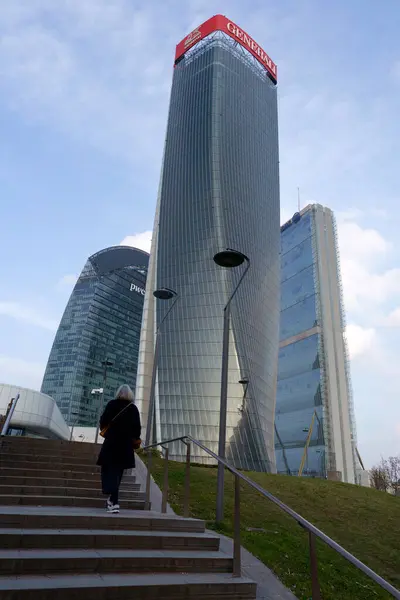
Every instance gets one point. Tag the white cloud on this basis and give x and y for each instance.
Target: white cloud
(367, 286)
(359, 339)
(364, 244)
(138, 240)
(16, 371)
(67, 281)
(112, 94)
(349, 214)
(17, 311)
(393, 319)
(364, 289)
(371, 284)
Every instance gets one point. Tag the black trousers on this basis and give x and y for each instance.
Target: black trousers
(111, 477)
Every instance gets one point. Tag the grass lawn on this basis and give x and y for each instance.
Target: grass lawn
(366, 522)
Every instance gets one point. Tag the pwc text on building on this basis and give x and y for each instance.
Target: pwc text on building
(221, 23)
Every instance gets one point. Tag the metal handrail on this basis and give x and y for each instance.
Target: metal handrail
(312, 530)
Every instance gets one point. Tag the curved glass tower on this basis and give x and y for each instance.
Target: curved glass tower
(101, 323)
(219, 189)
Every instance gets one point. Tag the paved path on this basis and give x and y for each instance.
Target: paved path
(269, 586)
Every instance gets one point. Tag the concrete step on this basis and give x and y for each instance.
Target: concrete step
(165, 586)
(82, 501)
(88, 492)
(10, 443)
(84, 461)
(62, 482)
(62, 472)
(41, 562)
(54, 464)
(57, 517)
(47, 539)
(40, 449)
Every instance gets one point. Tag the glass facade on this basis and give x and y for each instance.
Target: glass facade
(101, 322)
(219, 189)
(313, 390)
(299, 374)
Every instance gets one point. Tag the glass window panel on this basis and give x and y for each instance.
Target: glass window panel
(298, 357)
(297, 259)
(298, 318)
(298, 392)
(296, 233)
(297, 288)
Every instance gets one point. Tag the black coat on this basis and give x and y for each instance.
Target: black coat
(117, 449)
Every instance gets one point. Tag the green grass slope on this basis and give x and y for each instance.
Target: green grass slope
(364, 521)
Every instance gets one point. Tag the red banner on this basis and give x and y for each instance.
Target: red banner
(221, 23)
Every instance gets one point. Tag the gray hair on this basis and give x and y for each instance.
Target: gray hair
(124, 392)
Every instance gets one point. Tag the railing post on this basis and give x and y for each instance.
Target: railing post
(237, 562)
(148, 480)
(316, 590)
(165, 487)
(9, 416)
(187, 482)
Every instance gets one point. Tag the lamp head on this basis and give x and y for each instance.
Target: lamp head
(230, 258)
(164, 294)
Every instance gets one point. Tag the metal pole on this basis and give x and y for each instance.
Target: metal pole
(98, 415)
(9, 416)
(283, 451)
(148, 480)
(222, 414)
(152, 411)
(150, 414)
(224, 399)
(187, 482)
(316, 590)
(237, 566)
(165, 487)
(101, 401)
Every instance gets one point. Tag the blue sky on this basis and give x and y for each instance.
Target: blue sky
(84, 90)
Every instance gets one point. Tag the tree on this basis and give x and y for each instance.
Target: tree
(379, 478)
(393, 470)
(386, 475)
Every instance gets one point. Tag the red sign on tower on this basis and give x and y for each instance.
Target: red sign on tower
(221, 23)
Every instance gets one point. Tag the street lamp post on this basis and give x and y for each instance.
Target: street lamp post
(245, 382)
(72, 429)
(161, 294)
(307, 431)
(105, 363)
(99, 392)
(227, 259)
(78, 415)
(322, 457)
(283, 450)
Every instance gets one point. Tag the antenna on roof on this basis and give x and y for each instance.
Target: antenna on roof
(298, 199)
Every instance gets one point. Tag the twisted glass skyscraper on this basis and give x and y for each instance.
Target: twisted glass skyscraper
(219, 189)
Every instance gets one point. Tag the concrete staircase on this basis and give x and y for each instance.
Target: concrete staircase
(57, 541)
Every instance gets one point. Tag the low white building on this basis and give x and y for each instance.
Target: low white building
(363, 478)
(35, 415)
(85, 434)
